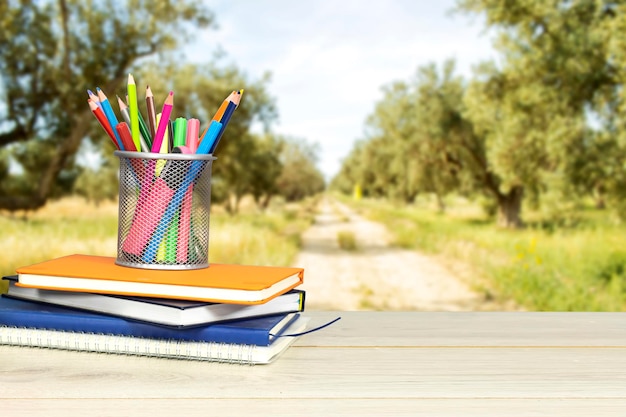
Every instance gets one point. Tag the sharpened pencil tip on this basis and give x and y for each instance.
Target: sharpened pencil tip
(131, 80)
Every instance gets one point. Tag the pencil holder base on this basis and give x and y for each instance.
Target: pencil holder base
(161, 266)
(164, 210)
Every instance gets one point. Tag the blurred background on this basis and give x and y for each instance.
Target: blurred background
(410, 154)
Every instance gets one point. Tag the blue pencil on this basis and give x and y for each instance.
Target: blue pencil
(209, 138)
(108, 112)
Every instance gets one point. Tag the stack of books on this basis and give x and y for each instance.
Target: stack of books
(225, 313)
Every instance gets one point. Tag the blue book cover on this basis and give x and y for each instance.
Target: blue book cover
(258, 331)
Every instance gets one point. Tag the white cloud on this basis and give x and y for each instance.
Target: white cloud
(329, 59)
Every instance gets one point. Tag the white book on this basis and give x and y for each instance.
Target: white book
(169, 312)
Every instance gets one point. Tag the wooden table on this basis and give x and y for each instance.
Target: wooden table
(366, 364)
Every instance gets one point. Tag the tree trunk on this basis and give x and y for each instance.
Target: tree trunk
(441, 204)
(232, 203)
(265, 201)
(510, 208)
(598, 196)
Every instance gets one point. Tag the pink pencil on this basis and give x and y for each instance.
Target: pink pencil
(193, 129)
(165, 118)
(184, 225)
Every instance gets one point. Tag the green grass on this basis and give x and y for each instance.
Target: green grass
(544, 267)
(346, 240)
(72, 226)
(272, 238)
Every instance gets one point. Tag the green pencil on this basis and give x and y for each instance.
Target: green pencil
(172, 240)
(180, 131)
(145, 133)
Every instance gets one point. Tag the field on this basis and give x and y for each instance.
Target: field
(543, 267)
(72, 226)
(575, 267)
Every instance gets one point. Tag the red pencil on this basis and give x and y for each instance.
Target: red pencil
(97, 111)
(127, 139)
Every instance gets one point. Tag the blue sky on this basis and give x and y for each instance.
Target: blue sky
(329, 59)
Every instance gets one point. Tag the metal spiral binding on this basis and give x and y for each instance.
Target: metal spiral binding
(127, 345)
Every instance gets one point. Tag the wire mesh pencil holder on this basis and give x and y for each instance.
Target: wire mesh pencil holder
(164, 210)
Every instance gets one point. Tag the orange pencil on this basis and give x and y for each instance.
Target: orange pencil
(97, 111)
(220, 111)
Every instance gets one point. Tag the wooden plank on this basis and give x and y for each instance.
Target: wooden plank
(280, 407)
(329, 372)
(368, 363)
(467, 329)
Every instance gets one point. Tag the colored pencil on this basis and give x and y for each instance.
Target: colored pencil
(145, 134)
(193, 125)
(125, 111)
(174, 201)
(160, 164)
(102, 119)
(230, 109)
(222, 108)
(209, 138)
(179, 129)
(218, 114)
(94, 98)
(108, 111)
(180, 132)
(131, 88)
(165, 117)
(170, 136)
(125, 135)
(151, 112)
(145, 137)
(138, 168)
(184, 223)
(172, 238)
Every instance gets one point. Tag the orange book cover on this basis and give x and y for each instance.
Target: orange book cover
(244, 284)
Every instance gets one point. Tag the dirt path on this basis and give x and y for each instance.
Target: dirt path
(375, 276)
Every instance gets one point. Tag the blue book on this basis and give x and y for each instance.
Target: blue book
(26, 314)
(164, 311)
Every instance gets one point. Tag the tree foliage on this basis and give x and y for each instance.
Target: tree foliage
(534, 109)
(544, 120)
(199, 90)
(299, 177)
(51, 52)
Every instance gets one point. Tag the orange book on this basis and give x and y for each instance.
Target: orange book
(220, 283)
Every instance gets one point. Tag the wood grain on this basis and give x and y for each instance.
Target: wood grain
(368, 363)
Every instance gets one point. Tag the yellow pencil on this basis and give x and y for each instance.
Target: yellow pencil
(133, 111)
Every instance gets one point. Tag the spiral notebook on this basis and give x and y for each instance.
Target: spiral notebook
(254, 341)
